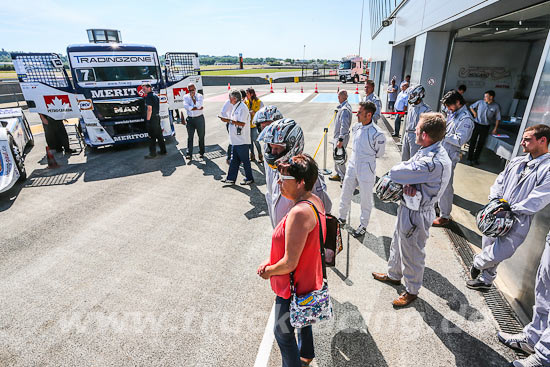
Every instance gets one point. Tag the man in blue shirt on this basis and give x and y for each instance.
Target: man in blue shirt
(401, 104)
(486, 113)
(392, 95)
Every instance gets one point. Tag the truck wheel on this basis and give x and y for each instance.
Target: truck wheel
(343, 79)
(19, 161)
(29, 133)
(356, 79)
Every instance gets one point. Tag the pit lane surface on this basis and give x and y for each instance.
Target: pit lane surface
(113, 260)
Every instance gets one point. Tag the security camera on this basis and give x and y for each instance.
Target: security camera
(387, 22)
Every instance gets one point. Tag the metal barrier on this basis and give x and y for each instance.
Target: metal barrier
(312, 72)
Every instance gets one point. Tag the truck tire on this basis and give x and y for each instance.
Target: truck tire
(343, 79)
(19, 160)
(356, 79)
(29, 133)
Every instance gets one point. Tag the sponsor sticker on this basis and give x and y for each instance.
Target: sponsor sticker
(85, 104)
(58, 103)
(163, 98)
(131, 137)
(5, 170)
(140, 91)
(179, 93)
(117, 92)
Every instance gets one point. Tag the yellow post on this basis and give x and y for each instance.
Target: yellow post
(270, 80)
(296, 79)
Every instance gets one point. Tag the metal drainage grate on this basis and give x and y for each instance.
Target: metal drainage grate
(500, 308)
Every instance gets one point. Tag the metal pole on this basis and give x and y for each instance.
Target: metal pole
(361, 31)
(325, 171)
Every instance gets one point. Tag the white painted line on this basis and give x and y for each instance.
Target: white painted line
(267, 341)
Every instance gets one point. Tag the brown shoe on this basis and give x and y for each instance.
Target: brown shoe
(335, 178)
(404, 299)
(441, 222)
(385, 278)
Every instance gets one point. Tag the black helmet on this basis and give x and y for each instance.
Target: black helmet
(339, 155)
(493, 224)
(285, 132)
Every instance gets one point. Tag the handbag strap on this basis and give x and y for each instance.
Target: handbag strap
(321, 245)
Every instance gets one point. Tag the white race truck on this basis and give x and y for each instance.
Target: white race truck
(353, 69)
(104, 91)
(15, 137)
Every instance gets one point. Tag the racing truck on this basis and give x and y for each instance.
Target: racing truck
(353, 69)
(15, 138)
(104, 88)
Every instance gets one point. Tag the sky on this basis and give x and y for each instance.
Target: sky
(329, 29)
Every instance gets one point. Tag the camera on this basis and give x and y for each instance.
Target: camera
(239, 130)
(387, 22)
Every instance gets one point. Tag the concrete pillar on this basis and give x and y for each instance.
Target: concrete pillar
(429, 63)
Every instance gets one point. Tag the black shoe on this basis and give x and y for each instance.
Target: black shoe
(478, 285)
(474, 272)
(395, 135)
(476, 162)
(163, 153)
(201, 156)
(188, 156)
(150, 156)
(70, 151)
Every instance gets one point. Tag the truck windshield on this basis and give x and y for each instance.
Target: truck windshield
(116, 73)
(345, 65)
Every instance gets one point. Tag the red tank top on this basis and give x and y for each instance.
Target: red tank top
(308, 275)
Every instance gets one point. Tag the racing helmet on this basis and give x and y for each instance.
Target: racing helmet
(387, 190)
(493, 224)
(339, 155)
(416, 93)
(284, 132)
(267, 113)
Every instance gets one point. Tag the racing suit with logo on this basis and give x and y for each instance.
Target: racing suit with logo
(278, 206)
(341, 131)
(369, 143)
(460, 125)
(525, 184)
(409, 138)
(538, 330)
(374, 99)
(429, 170)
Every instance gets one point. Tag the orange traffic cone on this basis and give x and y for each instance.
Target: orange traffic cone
(357, 90)
(285, 89)
(316, 91)
(51, 159)
(301, 89)
(271, 90)
(228, 86)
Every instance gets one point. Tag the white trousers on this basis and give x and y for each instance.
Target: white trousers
(365, 183)
(446, 200)
(538, 331)
(409, 147)
(407, 255)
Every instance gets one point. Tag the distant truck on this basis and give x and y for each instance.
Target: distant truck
(353, 69)
(104, 91)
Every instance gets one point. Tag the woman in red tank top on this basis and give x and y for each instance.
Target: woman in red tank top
(295, 248)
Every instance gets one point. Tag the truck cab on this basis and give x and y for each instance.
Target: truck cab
(352, 69)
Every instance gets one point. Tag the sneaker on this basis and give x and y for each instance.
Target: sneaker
(478, 285)
(517, 342)
(226, 181)
(531, 361)
(247, 182)
(150, 156)
(474, 272)
(360, 231)
(342, 221)
(188, 156)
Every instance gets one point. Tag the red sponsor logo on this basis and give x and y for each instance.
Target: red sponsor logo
(58, 103)
(140, 91)
(180, 92)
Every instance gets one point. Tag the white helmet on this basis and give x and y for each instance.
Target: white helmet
(416, 93)
(267, 113)
(493, 224)
(339, 155)
(387, 190)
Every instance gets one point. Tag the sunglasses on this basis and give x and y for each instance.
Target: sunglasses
(191, 90)
(281, 177)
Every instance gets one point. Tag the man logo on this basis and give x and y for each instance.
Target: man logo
(58, 103)
(126, 109)
(85, 104)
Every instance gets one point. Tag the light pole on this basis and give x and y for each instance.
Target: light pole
(361, 31)
(304, 58)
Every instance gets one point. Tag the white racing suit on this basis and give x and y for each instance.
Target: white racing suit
(374, 99)
(342, 124)
(525, 184)
(538, 330)
(409, 138)
(369, 143)
(278, 206)
(460, 125)
(428, 171)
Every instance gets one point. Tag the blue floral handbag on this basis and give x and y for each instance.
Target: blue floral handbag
(315, 306)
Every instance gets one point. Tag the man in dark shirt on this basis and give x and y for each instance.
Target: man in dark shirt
(152, 122)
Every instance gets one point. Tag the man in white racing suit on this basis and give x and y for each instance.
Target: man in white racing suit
(424, 178)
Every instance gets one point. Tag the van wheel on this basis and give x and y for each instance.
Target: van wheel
(19, 160)
(356, 79)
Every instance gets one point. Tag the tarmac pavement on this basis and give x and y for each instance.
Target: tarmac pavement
(112, 260)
